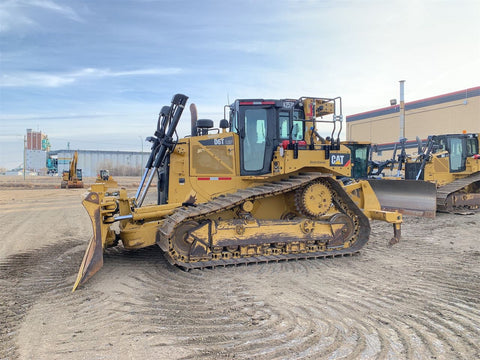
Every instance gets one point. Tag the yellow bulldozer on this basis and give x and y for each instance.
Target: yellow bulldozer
(452, 162)
(104, 177)
(262, 186)
(72, 178)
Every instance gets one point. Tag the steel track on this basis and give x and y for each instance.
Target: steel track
(444, 192)
(229, 201)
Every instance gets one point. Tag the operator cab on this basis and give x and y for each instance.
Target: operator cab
(459, 148)
(262, 125)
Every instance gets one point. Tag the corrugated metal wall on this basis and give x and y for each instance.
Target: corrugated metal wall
(36, 160)
(117, 162)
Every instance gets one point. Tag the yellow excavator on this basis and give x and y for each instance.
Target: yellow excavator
(261, 187)
(452, 162)
(73, 177)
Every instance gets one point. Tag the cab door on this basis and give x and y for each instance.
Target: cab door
(457, 153)
(256, 130)
(359, 158)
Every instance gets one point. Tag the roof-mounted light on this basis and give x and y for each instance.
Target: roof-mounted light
(257, 102)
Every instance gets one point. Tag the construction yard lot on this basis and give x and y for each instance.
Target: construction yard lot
(419, 299)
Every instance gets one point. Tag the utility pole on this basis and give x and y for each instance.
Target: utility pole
(24, 154)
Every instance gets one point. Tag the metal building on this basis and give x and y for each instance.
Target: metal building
(119, 163)
(450, 113)
(35, 160)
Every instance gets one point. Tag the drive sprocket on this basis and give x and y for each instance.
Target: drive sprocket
(314, 200)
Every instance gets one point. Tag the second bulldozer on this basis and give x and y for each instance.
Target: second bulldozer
(452, 162)
(261, 187)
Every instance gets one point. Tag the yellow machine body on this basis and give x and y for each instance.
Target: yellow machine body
(213, 170)
(104, 177)
(452, 162)
(213, 209)
(73, 177)
(437, 169)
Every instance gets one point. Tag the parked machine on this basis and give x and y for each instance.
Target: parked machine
(104, 177)
(73, 177)
(452, 162)
(261, 187)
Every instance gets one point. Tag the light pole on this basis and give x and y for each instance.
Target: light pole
(402, 109)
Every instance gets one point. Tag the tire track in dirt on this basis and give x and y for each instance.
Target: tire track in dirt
(24, 278)
(415, 300)
(440, 280)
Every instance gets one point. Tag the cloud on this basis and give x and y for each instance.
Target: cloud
(19, 14)
(10, 19)
(52, 6)
(24, 79)
(41, 79)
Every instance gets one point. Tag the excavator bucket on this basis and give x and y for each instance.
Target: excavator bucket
(409, 197)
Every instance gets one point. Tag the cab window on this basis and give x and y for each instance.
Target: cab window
(234, 121)
(284, 126)
(472, 146)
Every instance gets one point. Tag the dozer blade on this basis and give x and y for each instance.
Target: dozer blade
(409, 197)
(93, 258)
(91, 263)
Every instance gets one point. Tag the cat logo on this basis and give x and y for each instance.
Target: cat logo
(339, 159)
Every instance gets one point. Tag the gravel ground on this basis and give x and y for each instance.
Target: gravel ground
(419, 299)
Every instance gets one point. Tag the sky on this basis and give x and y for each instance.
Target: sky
(94, 74)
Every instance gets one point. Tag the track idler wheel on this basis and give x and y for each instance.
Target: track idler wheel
(343, 229)
(182, 240)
